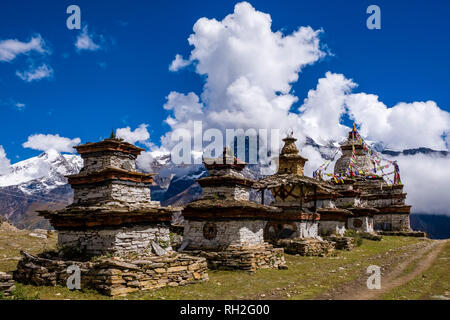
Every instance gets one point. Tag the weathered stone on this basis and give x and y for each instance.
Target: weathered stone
(307, 247)
(158, 250)
(6, 283)
(243, 258)
(342, 243)
(115, 276)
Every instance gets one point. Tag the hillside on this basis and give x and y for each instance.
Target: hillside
(412, 268)
(436, 226)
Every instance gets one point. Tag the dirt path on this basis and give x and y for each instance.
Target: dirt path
(392, 277)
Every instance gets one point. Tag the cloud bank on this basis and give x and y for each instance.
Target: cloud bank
(45, 142)
(249, 71)
(4, 162)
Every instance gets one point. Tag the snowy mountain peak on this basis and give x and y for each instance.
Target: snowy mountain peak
(49, 165)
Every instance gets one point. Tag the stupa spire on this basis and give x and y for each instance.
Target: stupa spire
(290, 161)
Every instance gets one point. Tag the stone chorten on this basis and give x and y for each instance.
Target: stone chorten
(302, 201)
(224, 226)
(111, 211)
(290, 161)
(363, 161)
(113, 221)
(375, 204)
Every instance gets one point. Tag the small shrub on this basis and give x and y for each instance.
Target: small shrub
(19, 294)
(350, 233)
(73, 253)
(358, 240)
(355, 235)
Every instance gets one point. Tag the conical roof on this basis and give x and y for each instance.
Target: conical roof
(290, 161)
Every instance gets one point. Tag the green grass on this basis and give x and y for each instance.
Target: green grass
(12, 242)
(306, 277)
(433, 283)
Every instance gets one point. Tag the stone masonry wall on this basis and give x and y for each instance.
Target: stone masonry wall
(238, 232)
(365, 224)
(348, 201)
(113, 191)
(222, 192)
(392, 222)
(241, 258)
(307, 229)
(96, 162)
(307, 247)
(123, 240)
(332, 227)
(115, 276)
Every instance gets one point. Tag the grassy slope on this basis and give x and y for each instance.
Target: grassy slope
(306, 277)
(434, 283)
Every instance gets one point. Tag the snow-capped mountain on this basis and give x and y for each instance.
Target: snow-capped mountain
(42, 173)
(37, 183)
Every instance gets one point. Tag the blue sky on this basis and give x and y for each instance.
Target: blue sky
(126, 81)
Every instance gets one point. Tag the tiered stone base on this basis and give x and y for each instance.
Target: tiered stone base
(243, 258)
(307, 246)
(117, 275)
(342, 243)
(6, 284)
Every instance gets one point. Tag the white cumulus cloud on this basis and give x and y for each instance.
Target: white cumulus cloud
(11, 48)
(5, 163)
(140, 134)
(88, 41)
(35, 74)
(178, 63)
(321, 112)
(45, 142)
(249, 70)
(403, 126)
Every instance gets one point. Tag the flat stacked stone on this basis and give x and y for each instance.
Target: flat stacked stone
(342, 243)
(307, 247)
(114, 276)
(240, 258)
(6, 284)
(389, 200)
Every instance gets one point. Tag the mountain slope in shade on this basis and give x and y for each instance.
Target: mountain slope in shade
(436, 226)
